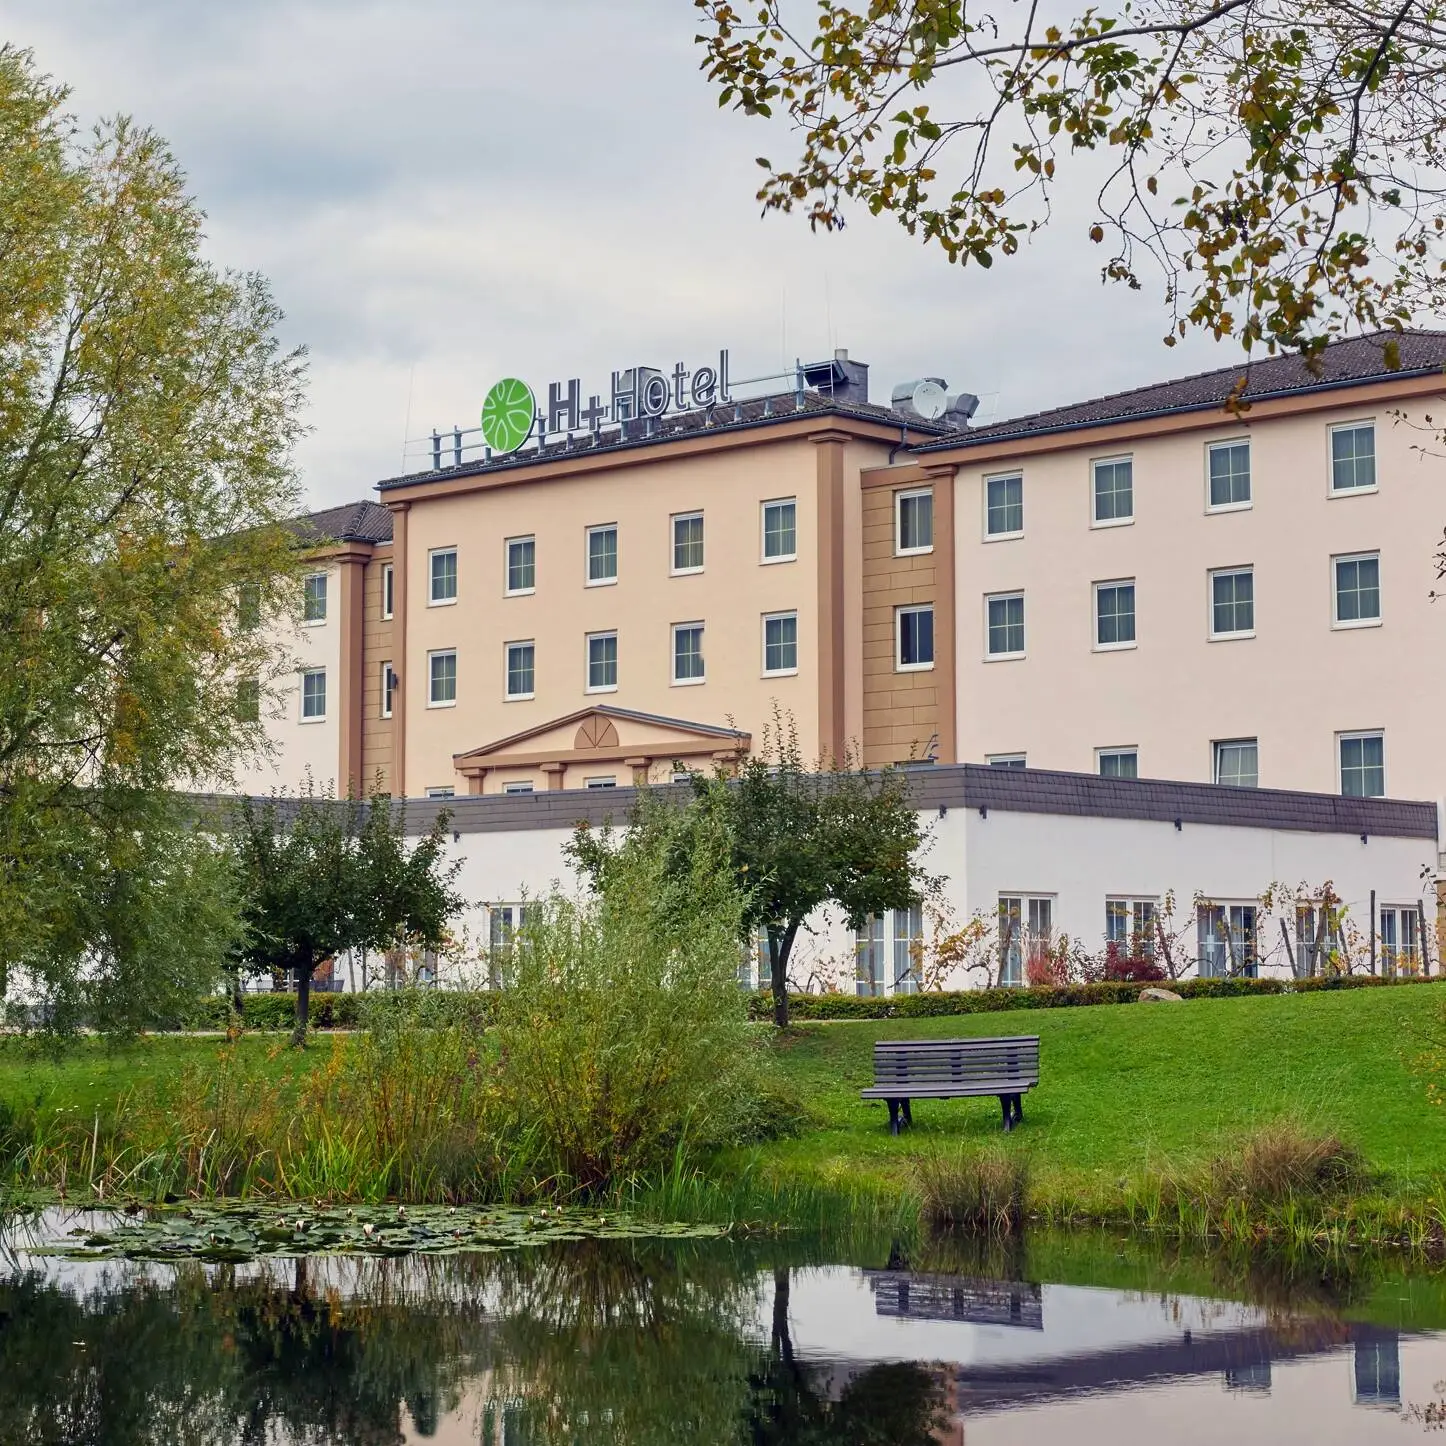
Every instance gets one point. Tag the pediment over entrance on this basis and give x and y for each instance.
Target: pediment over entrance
(603, 735)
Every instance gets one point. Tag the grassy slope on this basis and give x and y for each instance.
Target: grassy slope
(1127, 1087)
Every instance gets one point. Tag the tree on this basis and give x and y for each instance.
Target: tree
(320, 875)
(804, 838)
(1280, 163)
(147, 415)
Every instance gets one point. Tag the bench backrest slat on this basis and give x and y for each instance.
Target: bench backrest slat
(943, 1061)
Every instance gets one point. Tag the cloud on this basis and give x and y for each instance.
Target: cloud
(446, 192)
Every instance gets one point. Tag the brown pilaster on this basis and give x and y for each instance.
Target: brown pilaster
(555, 773)
(400, 570)
(830, 457)
(350, 567)
(946, 656)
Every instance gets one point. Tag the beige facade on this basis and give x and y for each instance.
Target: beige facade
(598, 615)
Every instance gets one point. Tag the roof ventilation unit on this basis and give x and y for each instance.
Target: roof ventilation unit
(925, 398)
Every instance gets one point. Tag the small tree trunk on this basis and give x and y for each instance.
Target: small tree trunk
(303, 1000)
(238, 999)
(779, 948)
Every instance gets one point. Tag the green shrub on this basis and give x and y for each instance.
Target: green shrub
(982, 1191)
(624, 1042)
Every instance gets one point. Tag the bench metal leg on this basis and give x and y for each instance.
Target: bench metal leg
(1019, 1109)
(1008, 1118)
(1013, 1110)
(893, 1117)
(908, 1115)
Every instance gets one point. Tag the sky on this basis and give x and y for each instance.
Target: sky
(444, 193)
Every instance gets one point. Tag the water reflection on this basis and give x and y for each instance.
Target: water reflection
(635, 1343)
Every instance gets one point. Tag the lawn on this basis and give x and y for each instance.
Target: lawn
(1127, 1089)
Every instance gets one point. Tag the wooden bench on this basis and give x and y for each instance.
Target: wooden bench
(946, 1069)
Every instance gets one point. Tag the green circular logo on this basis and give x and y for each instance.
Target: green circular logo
(507, 414)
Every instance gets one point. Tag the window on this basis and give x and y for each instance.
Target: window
(1118, 762)
(913, 522)
(609, 782)
(521, 661)
(1229, 464)
(1318, 941)
(389, 690)
(1353, 457)
(914, 638)
(521, 565)
(1006, 760)
(1115, 614)
(313, 695)
(523, 785)
(1004, 617)
(443, 566)
(687, 652)
(1003, 506)
(444, 791)
(1357, 590)
(1232, 603)
(313, 598)
(1400, 939)
(442, 678)
(688, 542)
(388, 591)
(248, 607)
(1130, 924)
(248, 700)
(1114, 491)
(755, 967)
(780, 531)
(602, 555)
(1026, 928)
(780, 644)
(504, 923)
(1226, 940)
(602, 662)
(1363, 765)
(1237, 762)
(888, 952)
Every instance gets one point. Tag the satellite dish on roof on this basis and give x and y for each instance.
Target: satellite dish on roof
(930, 400)
(924, 398)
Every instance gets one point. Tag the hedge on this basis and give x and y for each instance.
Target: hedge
(989, 1001)
(345, 1011)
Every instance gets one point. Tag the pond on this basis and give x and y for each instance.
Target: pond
(636, 1339)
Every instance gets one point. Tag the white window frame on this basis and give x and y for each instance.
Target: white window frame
(991, 597)
(911, 493)
(1096, 462)
(1118, 751)
(588, 641)
(888, 940)
(1120, 647)
(1353, 735)
(1028, 914)
(1210, 449)
(1251, 962)
(433, 601)
(519, 787)
(674, 519)
(1394, 952)
(763, 507)
(325, 696)
(507, 695)
(1331, 489)
(605, 780)
(507, 545)
(1015, 476)
(763, 643)
(673, 632)
(388, 591)
(1339, 624)
(432, 701)
(1216, 744)
(325, 579)
(387, 708)
(1210, 576)
(442, 790)
(588, 579)
(1007, 760)
(900, 666)
(1142, 912)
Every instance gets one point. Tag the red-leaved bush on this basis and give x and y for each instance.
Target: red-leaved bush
(1123, 967)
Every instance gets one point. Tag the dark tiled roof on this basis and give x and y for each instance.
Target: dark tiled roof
(1010, 790)
(1342, 364)
(355, 522)
(647, 432)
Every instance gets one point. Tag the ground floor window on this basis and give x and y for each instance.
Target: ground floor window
(755, 968)
(1317, 938)
(504, 923)
(1227, 943)
(1026, 930)
(888, 952)
(1400, 939)
(1130, 923)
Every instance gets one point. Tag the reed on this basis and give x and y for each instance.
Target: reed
(983, 1191)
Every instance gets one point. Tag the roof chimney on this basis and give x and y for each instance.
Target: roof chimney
(845, 381)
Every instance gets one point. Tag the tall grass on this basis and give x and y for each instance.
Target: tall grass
(985, 1191)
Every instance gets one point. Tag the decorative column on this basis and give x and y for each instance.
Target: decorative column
(400, 569)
